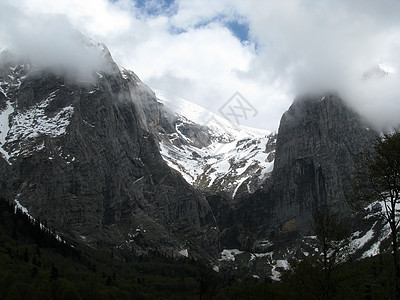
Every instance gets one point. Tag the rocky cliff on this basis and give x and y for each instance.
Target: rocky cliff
(318, 146)
(85, 162)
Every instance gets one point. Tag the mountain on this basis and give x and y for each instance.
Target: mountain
(77, 154)
(263, 188)
(212, 153)
(110, 163)
(318, 149)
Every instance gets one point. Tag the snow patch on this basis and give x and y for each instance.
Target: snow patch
(229, 254)
(280, 264)
(360, 242)
(386, 68)
(25, 211)
(260, 255)
(22, 208)
(34, 122)
(5, 127)
(184, 252)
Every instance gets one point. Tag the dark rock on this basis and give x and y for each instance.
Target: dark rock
(104, 178)
(318, 146)
(3, 101)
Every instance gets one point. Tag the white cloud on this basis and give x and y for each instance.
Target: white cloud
(301, 46)
(49, 40)
(327, 45)
(192, 12)
(90, 16)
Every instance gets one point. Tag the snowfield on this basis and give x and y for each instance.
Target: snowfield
(21, 130)
(237, 155)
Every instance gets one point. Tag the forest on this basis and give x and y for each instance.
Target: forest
(36, 264)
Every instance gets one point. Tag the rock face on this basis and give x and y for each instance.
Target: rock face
(318, 146)
(86, 163)
(85, 156)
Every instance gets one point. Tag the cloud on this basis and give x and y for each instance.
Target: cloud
(207, 50)
(318, 46)
(50, 40)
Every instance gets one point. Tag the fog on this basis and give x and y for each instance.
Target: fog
(320, 46)
(50, 41)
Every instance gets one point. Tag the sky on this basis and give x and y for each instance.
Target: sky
(207, 51)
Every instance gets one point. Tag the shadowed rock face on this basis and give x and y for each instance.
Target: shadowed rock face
(98, 174)
(318, 149)
(318, 146)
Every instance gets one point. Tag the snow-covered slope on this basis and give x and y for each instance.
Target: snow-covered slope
(23, 130)
(24, 127)
(229, 157)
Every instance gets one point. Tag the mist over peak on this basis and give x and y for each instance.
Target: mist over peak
(378, 71)
(51, 41)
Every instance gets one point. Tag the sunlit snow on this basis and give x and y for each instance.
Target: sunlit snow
(5, 127)
(235, 155)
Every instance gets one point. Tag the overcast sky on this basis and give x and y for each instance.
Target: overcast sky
(205, 51)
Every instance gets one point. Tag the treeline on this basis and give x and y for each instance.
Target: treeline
(29, 230)
(34, 264)
(370, 278)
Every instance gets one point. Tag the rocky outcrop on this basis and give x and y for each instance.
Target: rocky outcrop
(87, 165)
(318, 146)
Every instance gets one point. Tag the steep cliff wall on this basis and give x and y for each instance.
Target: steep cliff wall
(318, 146)
(87, 165)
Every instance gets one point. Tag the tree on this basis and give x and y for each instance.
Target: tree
(54, 273)
(332, 239)
(319, 276)
(379, 180)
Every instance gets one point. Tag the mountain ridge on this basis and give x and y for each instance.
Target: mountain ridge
(108, 162)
